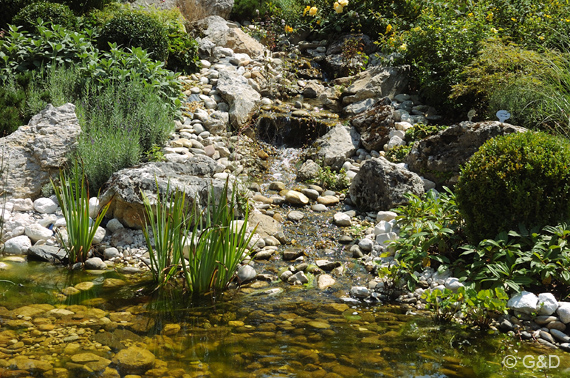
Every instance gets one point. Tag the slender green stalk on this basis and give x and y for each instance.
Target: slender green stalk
(73, 197)
(169, 226)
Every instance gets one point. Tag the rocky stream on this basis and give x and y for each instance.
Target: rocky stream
(308, 301)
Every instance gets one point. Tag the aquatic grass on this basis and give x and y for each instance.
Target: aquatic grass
(217, 244)
(207, 245)
(73, 197)
(167, 220)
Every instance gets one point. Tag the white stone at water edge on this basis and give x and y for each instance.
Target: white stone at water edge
(45, 206)
(385, 216)
(342, 219)
(523, 302)
(564, 312)
(547, 304)
(37, 232)
(246, 273)
(359, 292)
(93, 207)
(18, 245)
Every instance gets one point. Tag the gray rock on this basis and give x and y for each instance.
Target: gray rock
(295, 215)
(297, 278)
(292, 253)
(311, 193)
(378, 82)
(523, 302)
(217, 123)
(381, 185)
(45, 206)
(37, 232)
(327, 265)
(547, 336)
(296, 198)
(266, 226)
(544, 319)
(37, 151)
(325, 281)
(319, 207)
(342, 219)
(365, 245)
(125, 186)
(244, 101)
(453, 284)
(285, 275)
(506, 326)
(246, 273)
(337, 145)
(95, 263)
(360, 292)
(110, 253)
(46, 253)
(113, 225)
(308, 171)
(439, 157)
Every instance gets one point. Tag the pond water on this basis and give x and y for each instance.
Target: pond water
(264, 330)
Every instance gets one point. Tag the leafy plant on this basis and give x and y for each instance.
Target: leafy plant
(430, 233)
(329, 179)
(155, 154)
(513, 179)
(477, 307)
(73, 197)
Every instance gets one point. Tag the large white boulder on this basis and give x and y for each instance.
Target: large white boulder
(523, 302)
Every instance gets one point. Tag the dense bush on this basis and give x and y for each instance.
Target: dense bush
(48, 12)
(135, 29)
(12, 106)
(522, 178)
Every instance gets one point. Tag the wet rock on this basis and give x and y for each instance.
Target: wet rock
(560, 336)
(292, 253)
(325, 281)
(110, 253)
(92, 361)
(298, 278)
(546, 336)
(134, 360)
(95, 263)
(110, 283)
(115, 339)
(295, 216)
(246, 273)
(360, 292)
(328, 200)
(319, 207)
(327, 265)
(311, 193)
(381, 185)
(47, 253)
(342, 219)
(296, 198)
(31, 365)
(439, 157)
(266, 225)
(84, 286)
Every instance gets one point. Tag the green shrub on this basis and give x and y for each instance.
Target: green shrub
(12, 106)
(522, 178)
(136, 29)
(53, 13)
(84, 6)
(182, 52)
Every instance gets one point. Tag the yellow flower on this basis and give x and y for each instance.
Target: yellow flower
(513, 19)
(288, 29)
(318, 22)
(470, 14)
(343, 3)
(541, 37)
(313, 11)
(338, 8)
(306, 10)
(403, 47)
(494, 30)
(388, 28)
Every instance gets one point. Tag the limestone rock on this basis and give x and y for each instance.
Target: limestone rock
(125, 186)
(547, 304)
(246, 273)
(342, 219)
(47, 253)
(439, 157)
(242, 98)
(18, 245)
(45, 206)
(266, 225)
(523, 302)
(378, 82)
(296, 198)
(381, 185)
(215, 31)
(42, 147)
(325, 281)
(563, 312)
(337, 145)
(37, 232)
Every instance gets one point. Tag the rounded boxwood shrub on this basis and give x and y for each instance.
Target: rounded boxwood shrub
(135, 29)
(59, 14)
(10, 8)
(521, 178)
